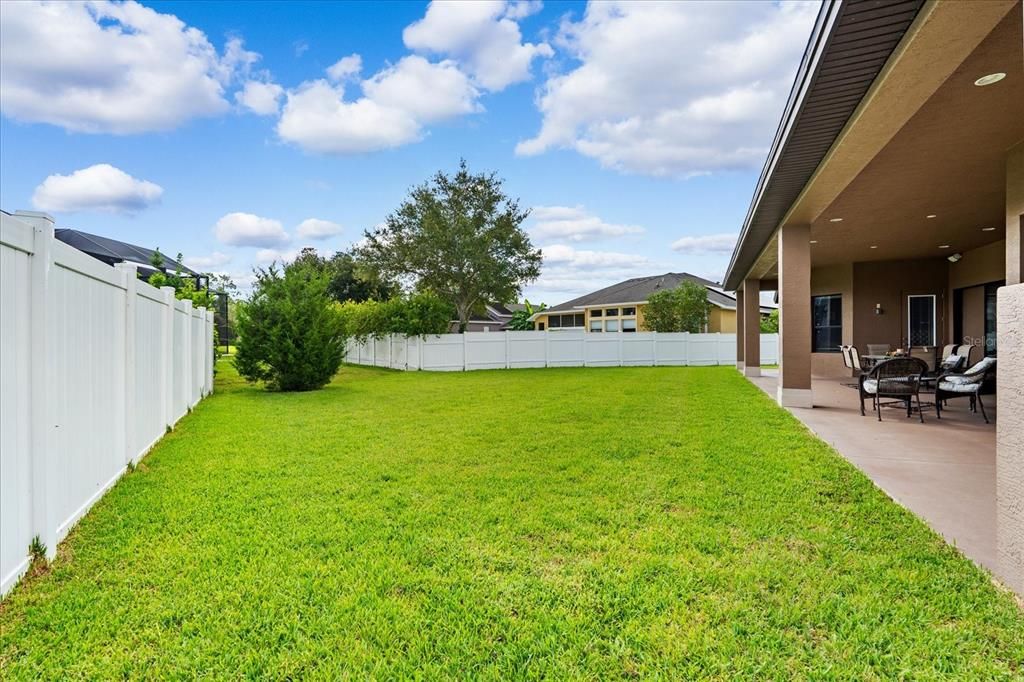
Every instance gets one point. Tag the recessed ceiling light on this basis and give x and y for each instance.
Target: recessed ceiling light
(988, 229)
(814, 241)
(990, 79)
(943, 246)
(874, 246)
(835, 220)
(930, 216)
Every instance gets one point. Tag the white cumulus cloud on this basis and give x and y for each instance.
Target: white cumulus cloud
(260, 97)
(207, 263)
(575, 224)
(246, 229)
(482, 36)
(396, 103)
(105, 67)
(707, 99)
(268, 256)
(568, 272)
(97, 188)
(713, 243)
(345, 68)
(315, 228)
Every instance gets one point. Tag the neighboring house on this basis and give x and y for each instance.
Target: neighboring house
(620, 307)
(112, 251)
(495, 318)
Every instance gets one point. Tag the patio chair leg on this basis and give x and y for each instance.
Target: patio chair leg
(938, 409)
(878, 408)
(920, 412)
(983, 409)
(862, 404)
(908, 408)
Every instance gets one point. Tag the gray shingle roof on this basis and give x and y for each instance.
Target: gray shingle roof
(637, 290)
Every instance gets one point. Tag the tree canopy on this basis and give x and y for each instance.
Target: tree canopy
(459, 237)
(682, 309)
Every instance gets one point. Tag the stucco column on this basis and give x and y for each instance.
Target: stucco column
(795, 316)
(1010, 437)
(739, 330)
(1015, 215)
(752, 327)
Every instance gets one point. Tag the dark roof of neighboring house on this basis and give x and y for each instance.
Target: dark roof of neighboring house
(849, 46)
(638, 289)
(112, 251)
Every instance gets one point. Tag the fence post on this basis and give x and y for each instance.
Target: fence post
(654, 348)
(129, 279)
(508, 362)
(41, 407)
(186, 362)
(686, 349)
(620, 349)
(209, 354)
(547, 353)
(465, 352)
(167, 356)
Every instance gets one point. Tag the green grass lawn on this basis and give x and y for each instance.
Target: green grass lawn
(556, 523)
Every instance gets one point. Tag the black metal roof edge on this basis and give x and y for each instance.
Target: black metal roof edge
(833, 16)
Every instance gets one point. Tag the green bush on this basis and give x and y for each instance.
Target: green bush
(683, 309)
(290, 332)
(416, 315)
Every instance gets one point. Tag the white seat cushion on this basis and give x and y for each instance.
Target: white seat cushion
(958, 386)
(982, 365)
(871, 386)
(960, 379)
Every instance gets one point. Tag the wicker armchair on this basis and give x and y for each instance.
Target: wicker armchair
(896, 379)
(966, 385)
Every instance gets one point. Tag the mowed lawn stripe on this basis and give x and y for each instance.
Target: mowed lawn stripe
(558, 523)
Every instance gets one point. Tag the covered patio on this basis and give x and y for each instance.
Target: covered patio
(945, 473)
(889, 218)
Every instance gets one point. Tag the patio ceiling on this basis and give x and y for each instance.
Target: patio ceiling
(925, 141)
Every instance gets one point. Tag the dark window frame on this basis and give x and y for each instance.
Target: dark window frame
(833, 329)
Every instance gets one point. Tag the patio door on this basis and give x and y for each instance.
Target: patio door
(921, 320)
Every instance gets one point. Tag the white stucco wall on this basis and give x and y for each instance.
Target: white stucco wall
(1010, 437)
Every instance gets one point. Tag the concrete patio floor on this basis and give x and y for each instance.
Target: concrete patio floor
(943, 470)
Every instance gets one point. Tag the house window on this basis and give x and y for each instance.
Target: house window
(596, 313)
(595, 325)
(921, 320)
(827, 321)
(611, 325)
(540, 326)
(627, 312)
(629, 325)
(570, 321)
(611, 312)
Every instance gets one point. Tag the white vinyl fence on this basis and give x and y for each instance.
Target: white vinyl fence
(95, 366)
(511, 350)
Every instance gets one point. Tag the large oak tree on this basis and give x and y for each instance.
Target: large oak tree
(457, 236)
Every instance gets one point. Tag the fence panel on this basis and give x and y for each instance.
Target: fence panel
(486, 350)
(602, 351)
(496, 350)
(566, 349)
(92, 363)
(443, 353)
(15, 437)
(527, 349)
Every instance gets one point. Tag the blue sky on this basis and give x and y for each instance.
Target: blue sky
(236, 133)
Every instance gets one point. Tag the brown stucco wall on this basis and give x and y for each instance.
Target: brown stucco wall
(977, 267)
(889, 283)
(834, 279)
(1010, 437)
